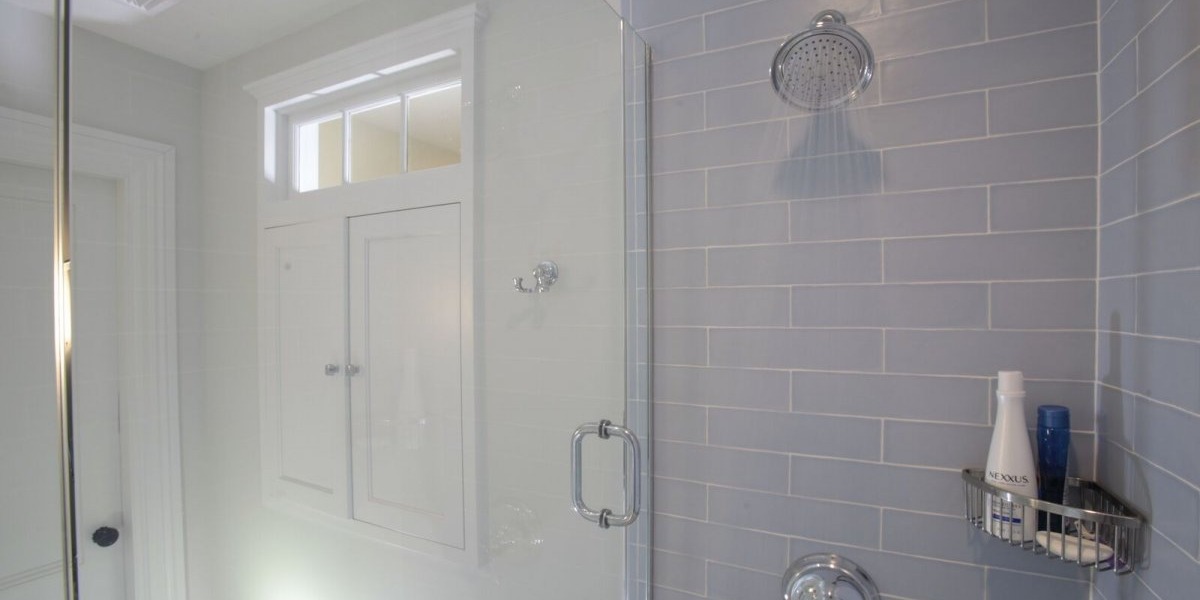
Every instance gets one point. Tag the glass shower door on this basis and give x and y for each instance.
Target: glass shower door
(30, 509)
(360, 270)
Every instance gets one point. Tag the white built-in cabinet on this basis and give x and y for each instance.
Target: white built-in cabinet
(363, 406)
(366, 313)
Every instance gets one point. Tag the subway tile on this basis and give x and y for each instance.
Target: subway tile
(1044, 105)
(894, 486)
(1124, 588)
(1165, 370)
(1122, 22)
(1044, 205)
(1117, 305)
(1166, 436)
(844, 437)
(835, 262)
(1169, 37)
(952, 538)
(1017, 17)
(1174, 506)
(1039, 354)
(1021, 157)
(1118, 192)
(681, 38)
(672, 191)
(902, 576)
(649, 14)
(954, 399)
(1005, 256)
(756, 142)
(737, 468)
(943, 26)
(753, 224)
(679, 572)
(933, 306)
(722, 307)
(946, 445)
(1158, 111)
(1044, 305)
(962, 210)
(665, 593)
(851, 174)
(680, 346)
(1167, 172)
(817, 519)
(732, 583)
(752, 549)
(677, 114)
(992, 64)
(723, 68)
(741, 388)
(774, 19)
(1010, 584)
(824, 349)
(1118, 81)
(680, 498)
(1168, 571)
(680, 268)
(758, 101)
(888, 125)
(1168, 305)
(1161, 240)
(680, 422)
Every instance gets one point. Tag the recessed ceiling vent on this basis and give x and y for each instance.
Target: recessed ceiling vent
(150, 7)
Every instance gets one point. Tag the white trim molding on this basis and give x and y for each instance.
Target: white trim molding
(148, 341)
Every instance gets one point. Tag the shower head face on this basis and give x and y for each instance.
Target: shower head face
(826, 66)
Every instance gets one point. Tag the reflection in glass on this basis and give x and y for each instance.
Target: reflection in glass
(319, 149)
(435, 128)
(375, 141)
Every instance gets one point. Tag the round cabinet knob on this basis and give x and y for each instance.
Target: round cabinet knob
(105, 536)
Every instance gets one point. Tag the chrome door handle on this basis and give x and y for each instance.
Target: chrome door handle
(633, 480)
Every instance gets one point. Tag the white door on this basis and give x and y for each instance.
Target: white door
(407, 397)
(303, 348)
(30, 514)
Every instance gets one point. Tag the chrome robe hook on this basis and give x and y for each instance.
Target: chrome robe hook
(544, 276)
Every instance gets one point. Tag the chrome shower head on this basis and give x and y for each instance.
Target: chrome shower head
(825, 66)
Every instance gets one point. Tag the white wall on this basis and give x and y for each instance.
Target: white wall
(551, 183)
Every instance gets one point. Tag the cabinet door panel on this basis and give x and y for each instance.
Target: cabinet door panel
(407, 399)
(304, 408)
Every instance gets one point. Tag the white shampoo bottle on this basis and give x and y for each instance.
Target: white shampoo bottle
(1010, 463)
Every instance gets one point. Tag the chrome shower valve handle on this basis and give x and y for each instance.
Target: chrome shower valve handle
(544, 276)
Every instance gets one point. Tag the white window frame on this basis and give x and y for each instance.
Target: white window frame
(398, 88)
(402, 61)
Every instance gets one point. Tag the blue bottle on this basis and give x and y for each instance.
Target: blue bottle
(1053, 441)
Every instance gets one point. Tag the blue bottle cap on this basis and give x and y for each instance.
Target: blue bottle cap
(1053, 415)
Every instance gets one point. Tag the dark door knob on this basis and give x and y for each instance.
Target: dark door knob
(105, 536)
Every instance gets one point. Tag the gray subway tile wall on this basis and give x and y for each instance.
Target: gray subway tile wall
(940, 228)
(1148, 347)
(1010, 192)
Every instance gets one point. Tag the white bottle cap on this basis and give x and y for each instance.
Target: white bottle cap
(1011, 382)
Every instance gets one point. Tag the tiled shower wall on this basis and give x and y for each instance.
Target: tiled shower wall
(1148, 360)
(835, 292)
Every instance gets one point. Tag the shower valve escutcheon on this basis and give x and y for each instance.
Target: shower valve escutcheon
(544, 276)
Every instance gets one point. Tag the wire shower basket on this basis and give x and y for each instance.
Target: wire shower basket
(1092, 527)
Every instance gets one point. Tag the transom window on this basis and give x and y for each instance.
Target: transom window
(361, 140)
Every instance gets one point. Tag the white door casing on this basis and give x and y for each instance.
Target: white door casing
(147, 347)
